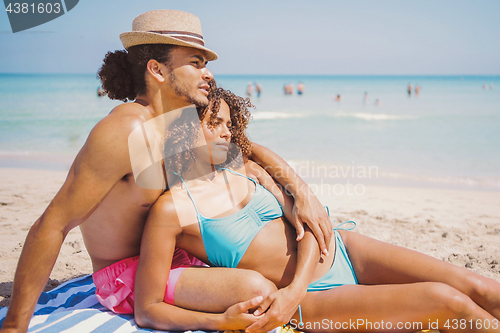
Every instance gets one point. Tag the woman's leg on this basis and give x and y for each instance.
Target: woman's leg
(376, 263)
(396, 307)
(216, 289)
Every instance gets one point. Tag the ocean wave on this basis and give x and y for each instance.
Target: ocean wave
(63, 155)
(270, 115)
(372, 116)
(18, 153)
(480, 182)
(325, 172)
(275, 115)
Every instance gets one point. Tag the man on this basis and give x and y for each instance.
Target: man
(166, 62)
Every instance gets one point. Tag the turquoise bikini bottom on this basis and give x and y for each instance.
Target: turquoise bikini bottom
(341, 272)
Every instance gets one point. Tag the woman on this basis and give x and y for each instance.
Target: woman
(231, 215)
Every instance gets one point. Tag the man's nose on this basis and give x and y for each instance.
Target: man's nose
(207, 75)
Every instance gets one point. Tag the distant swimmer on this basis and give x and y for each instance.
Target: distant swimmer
(249, 89)
(258, 88)
(101, 92)
(337, 98)
(365, 97)
(377, 102)
(409, 89)
(417, 90)
(485, 86)
(288, 89)
(300, 88)
(491, 86)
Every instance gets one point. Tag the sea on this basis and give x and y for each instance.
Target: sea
(342, 130)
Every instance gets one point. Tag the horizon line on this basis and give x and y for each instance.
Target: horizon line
(264, 74)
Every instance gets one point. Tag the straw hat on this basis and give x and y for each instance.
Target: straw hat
(167, 27)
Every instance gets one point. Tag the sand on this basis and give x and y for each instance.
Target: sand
(24, 195)
(461, 227)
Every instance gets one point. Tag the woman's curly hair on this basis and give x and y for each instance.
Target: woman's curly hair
(183, 133)
(238, 110)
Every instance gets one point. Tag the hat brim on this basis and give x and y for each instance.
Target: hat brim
(133, 38)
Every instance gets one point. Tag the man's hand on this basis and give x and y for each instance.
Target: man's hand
(280, 305)
(237, 317)
(307, 209)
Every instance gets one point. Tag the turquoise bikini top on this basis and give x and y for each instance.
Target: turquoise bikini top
(226, 239)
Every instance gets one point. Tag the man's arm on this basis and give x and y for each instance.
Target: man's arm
(282, 304)
(99, 165)
(307, 208)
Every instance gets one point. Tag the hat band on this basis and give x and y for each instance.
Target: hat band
(184, 36)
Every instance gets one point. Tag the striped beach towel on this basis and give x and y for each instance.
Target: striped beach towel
(73, 308)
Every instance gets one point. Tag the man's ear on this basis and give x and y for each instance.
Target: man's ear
(156, 70)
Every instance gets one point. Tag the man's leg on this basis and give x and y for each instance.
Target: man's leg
(215, 289)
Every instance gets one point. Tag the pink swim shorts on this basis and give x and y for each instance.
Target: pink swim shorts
(115, 283)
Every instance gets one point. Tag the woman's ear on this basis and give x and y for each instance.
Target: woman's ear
(156, 70)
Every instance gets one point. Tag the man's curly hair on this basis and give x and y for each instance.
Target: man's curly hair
(183, 132)
(123, 73)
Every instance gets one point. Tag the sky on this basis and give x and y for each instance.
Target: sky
(356, 37)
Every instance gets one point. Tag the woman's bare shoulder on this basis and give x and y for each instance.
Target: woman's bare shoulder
(258, 173)
(164, 209)
(253, 169)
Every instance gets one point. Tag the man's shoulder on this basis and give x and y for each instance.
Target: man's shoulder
(126, 116)
(111, 133)
(120, 122)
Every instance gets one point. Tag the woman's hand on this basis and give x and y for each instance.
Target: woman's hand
(277, 309)
(308, 210)
(238, 316)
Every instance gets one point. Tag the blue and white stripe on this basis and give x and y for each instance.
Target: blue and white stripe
(72, 307)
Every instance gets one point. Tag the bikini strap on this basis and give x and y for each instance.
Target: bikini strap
(189, 193)
(239, 174)
(339, 227)
(288, 328)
